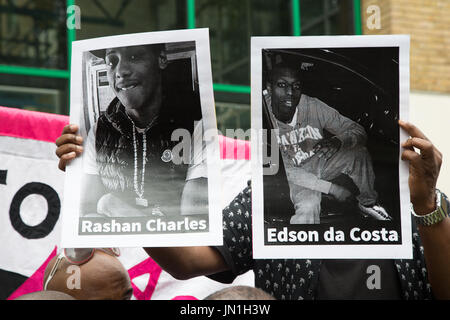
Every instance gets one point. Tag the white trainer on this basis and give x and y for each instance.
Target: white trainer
(376, 211)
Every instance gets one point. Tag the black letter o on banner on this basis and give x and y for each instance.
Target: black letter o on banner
(45, 227)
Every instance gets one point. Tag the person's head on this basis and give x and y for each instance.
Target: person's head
(102, 277)
(134, 74)
(45, 295)
(240, 293)
(285, 87)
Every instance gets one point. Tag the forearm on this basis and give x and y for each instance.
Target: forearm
(424, 165)
(436, 244)
(349, 132)
(91, 192)
(188, 262)
(194, 199)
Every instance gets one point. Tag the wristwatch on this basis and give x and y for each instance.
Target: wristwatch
(437, 215)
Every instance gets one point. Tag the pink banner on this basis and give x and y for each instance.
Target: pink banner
(42, 126)
(34, 125)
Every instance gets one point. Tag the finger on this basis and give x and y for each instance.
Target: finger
(425, 146)
(68, 156)
(410, 156)
(69, 138)
(417, 143)
(70, 128)
(412, 130)
(62, 165)
(408, 144)
(68, 148)
(65, 159)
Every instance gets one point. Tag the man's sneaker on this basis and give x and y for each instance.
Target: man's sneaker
(376, 211)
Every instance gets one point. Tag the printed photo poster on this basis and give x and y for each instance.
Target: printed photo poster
(327, 179)
(145, 106)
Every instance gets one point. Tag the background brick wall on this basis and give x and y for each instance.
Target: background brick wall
(428, 23)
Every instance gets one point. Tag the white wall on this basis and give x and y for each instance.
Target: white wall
(430, 112)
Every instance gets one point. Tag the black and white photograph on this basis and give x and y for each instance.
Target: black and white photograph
(332, 183)
(144, 102)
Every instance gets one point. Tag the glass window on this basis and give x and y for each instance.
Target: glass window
(33, 33)
(232, 116)
(232, 111)
(231, 24)
(105, 18)
(326, 17)
(34, 93)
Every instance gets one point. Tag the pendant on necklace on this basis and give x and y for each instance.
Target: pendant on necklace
(167, 155)
(141, 202)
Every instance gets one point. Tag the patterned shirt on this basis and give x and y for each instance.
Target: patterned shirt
(298, 279)
(312, 116)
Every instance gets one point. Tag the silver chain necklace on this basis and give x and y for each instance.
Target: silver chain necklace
(139, 189)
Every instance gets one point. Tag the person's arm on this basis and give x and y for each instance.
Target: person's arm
(424, 170)
(349, 132)
(305, 179)
(91, 193)
(194, 199)
(234, 257)
(184, 263)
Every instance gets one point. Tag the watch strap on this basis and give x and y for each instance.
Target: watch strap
(435, 216)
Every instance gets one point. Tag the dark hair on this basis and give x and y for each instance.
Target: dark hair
(278, 68)
(276, 61)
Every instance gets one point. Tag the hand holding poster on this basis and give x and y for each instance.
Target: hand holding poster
(143, 102)
(333, 185)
